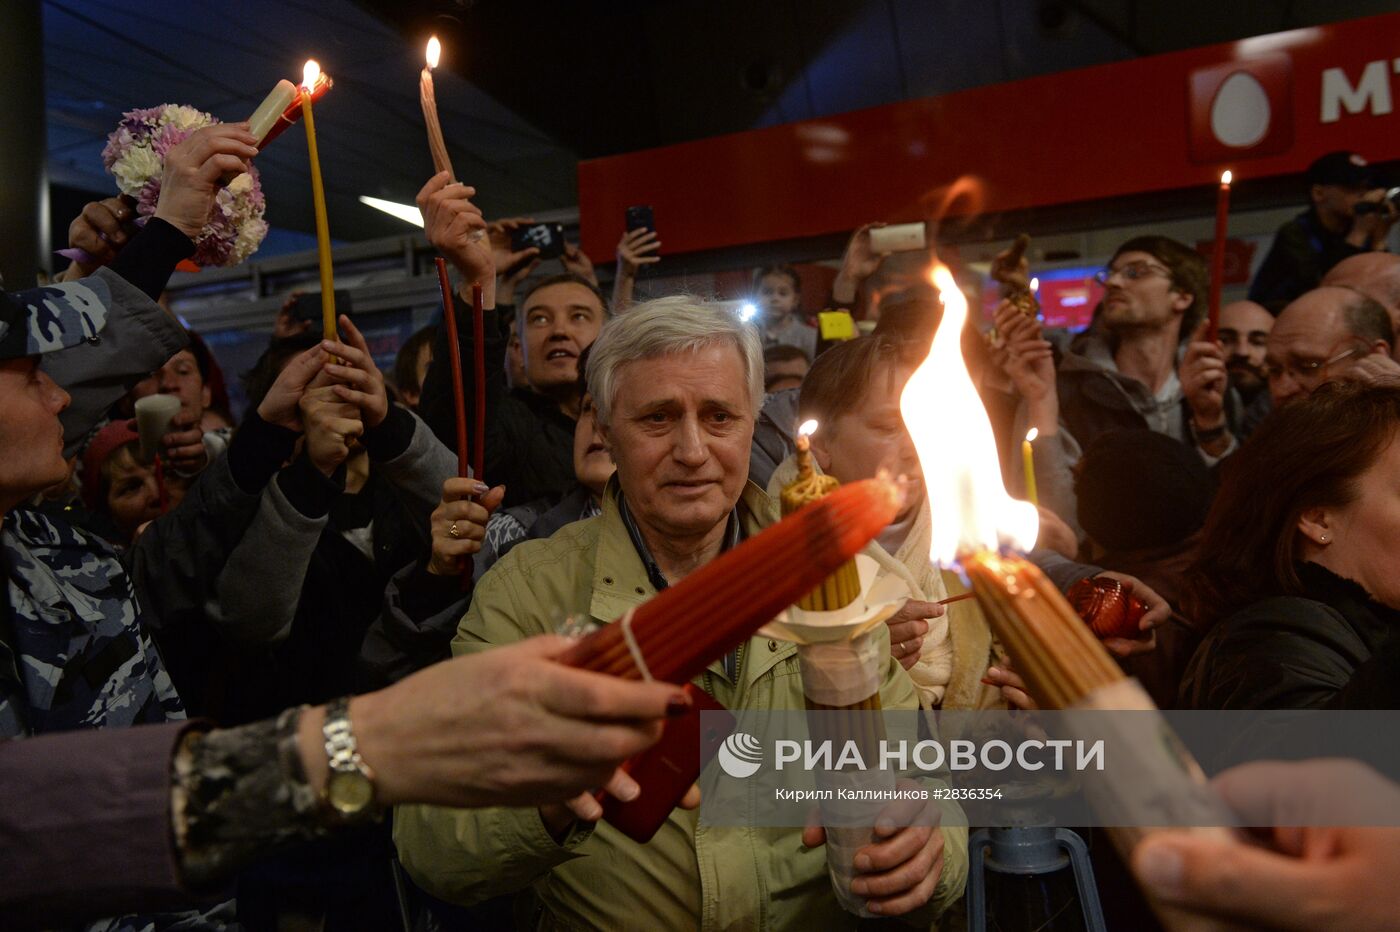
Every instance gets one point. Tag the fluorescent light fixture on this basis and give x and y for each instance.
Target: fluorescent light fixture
(405, 212)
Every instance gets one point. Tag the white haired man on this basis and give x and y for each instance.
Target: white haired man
(678, 385)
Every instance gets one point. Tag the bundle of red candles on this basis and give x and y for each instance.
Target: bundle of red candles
(716, 608)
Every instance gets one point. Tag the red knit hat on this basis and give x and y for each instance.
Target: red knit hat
(108, 440)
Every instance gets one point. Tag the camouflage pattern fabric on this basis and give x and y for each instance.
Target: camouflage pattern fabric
(78, 657)
(53, 317)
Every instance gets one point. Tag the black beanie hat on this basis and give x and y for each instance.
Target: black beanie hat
(1139, 490)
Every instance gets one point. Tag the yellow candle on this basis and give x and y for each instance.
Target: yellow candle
(318, 197)
(1028, 463)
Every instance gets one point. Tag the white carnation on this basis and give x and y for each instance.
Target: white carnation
(135, 168)
(182, 117)
(250, 237)
(240, 185)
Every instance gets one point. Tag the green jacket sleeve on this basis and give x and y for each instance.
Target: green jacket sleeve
(466, 856)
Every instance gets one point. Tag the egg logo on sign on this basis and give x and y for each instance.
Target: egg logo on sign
(1241, 109)
(740, 755)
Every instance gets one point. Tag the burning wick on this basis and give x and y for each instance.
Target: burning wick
(1035, 284)
(1028, 462)
(804, 448)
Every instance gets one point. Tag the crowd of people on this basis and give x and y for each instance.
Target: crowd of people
(314, 621)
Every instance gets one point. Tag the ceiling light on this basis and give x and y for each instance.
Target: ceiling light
(405, 212)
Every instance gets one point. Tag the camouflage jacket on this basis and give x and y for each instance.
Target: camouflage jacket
(74, 653)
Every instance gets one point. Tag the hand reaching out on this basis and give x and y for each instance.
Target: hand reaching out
(1375, 369)
(908, 627)
(1030, 365)
(857, 264)
(359, 381)
(1204, 379)
(194, 169)
(458, 524)
(499, 232)
(101, 230)
(637, 248)
(511, 279)
(330, 426)
(1291, 877)
(1158, 613)
(1012, 687)
(898, 872)
(182, 448)
(281, 404)
(576, 262)
(455, 228)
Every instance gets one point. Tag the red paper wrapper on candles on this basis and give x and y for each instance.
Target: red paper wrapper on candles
(293, 113)
(716, 608)
(1107, 607)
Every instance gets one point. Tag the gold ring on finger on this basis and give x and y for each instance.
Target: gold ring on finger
(452, 531)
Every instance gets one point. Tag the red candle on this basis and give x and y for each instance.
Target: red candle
(719, 606)
(459, 402)
(454, 349)
(479, 373)
(1217, 257)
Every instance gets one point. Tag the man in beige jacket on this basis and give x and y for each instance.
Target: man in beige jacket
(676, 385)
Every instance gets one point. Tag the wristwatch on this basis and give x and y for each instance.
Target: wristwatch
(350, 787)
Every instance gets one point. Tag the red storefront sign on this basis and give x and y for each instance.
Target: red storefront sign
(1261, 107)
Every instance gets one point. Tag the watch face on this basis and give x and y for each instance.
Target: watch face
(349, 793)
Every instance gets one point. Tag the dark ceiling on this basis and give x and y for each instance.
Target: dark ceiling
(528, 88)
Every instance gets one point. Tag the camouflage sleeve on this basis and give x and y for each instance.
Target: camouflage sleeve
(238, 794)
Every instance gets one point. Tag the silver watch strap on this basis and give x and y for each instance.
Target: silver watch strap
(341, 750)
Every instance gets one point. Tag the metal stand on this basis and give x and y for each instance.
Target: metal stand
(1032, 853)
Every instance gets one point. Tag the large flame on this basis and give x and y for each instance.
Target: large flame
(310, 72)
(957, 450)
(434, 52)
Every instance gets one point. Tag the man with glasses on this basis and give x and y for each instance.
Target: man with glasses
(1131, 369)
(1327, 334)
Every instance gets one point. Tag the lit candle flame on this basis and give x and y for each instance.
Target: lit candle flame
(1226, 177)
(434, 52)
(1035, 284)
(957, 449)
(1032, 434)
(807, 429)
(310, 73)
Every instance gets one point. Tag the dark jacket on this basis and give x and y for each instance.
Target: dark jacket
(1096, 398)
(1303, 252)
(85, 825)
(1292, 652)
(529, 441)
